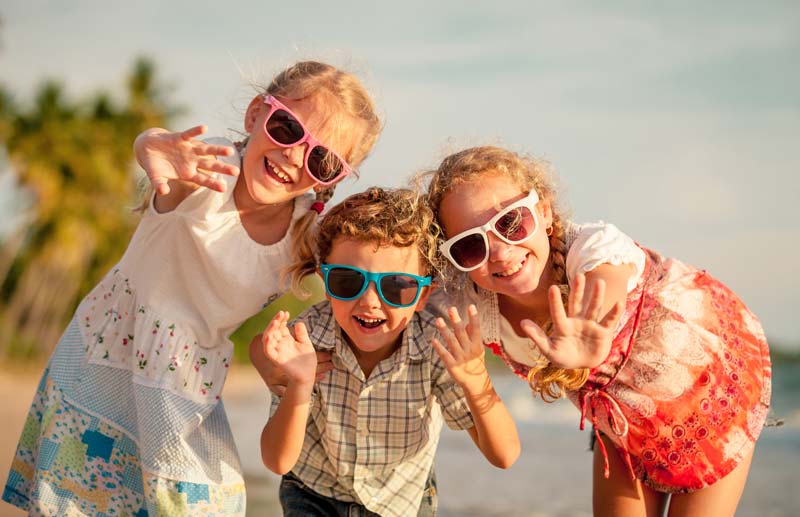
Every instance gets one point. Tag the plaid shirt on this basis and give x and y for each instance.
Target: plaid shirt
(372, 441)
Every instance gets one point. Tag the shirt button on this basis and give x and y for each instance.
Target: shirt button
(362, 429)
(344, 469)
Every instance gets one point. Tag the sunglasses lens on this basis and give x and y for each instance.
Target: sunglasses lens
(516, 225)
(284, 128)
(344, 283)
(323, 164)
(469, 251)
(399, 289)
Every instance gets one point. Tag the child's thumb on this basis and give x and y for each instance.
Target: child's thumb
(301, 332)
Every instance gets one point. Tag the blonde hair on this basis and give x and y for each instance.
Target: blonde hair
(343, 96)
(383, 217)
(346, 96)
(528, 174)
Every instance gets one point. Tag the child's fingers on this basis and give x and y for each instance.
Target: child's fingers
(275, 323)
(301, 333)
(214, 165)
(556, 307)
(613, 315)
(206, 180)
(213, 150)
(272, 332)
(474, 327)
(449, 339)
(575, 301)
(447, 357)
(537, 335)
(595, 304)
(194, 132)
(284, 328)
(459, 329)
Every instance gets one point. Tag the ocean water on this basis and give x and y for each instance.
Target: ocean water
(553, 475)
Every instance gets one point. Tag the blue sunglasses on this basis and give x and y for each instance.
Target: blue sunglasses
(396, 289)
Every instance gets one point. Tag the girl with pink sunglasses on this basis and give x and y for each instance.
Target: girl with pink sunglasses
(128, 418)
(666, 363)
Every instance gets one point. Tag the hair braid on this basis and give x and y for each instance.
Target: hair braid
(304, 258)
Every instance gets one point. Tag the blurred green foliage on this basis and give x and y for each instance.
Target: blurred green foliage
(72, 162)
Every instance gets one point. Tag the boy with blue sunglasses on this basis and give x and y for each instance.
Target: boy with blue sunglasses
(362, 439)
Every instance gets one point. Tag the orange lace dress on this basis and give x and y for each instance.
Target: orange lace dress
(685, 390)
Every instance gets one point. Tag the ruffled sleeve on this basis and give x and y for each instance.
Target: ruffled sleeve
(599, 243)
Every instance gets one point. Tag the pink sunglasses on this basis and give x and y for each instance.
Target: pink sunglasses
(284, 129)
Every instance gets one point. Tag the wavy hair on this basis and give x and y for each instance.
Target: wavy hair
(383, 217)
(528, 174)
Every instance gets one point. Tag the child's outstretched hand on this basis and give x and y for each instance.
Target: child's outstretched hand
(464, 355)
(165, 156)
(582, 336)
(294, 355)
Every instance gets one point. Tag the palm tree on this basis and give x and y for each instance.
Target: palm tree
(74, 160)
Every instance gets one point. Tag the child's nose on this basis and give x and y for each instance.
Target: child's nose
(498, 249)
(370, 298)
(295, 155)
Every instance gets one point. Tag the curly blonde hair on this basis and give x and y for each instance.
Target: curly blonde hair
(383, 217)
(470, 165)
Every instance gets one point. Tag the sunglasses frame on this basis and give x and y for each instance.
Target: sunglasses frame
(369, 276)
(307, 138)
(528, 202)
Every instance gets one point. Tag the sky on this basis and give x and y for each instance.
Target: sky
(678, 122)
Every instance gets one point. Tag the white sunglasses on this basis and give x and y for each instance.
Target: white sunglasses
(514, 224)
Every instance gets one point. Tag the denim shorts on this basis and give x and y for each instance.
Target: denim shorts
(297, 500)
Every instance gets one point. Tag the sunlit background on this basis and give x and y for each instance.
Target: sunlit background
(677, 121)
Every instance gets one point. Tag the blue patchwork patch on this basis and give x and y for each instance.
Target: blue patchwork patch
(99, 445)
(194, 491)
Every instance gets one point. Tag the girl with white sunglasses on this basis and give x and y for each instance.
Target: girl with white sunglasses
(128, 418)
(666, 363)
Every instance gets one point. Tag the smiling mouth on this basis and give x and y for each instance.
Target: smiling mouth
(276, 173)
(512, 270)
(369, 323)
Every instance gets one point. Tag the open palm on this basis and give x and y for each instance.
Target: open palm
(581, 335)
(463, 355)
(294, 355)
(168, 156)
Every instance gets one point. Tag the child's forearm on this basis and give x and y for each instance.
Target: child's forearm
(282, 437)
(494, 433)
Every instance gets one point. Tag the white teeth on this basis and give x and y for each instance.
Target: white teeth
(369, 320)
(511, 271)
(279, 173)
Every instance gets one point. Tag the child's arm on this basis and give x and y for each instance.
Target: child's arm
(494, 432)
(282, 437)
(582, 334)
(178, 163)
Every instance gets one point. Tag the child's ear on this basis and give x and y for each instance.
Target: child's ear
(253, 112)
(545, 210)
